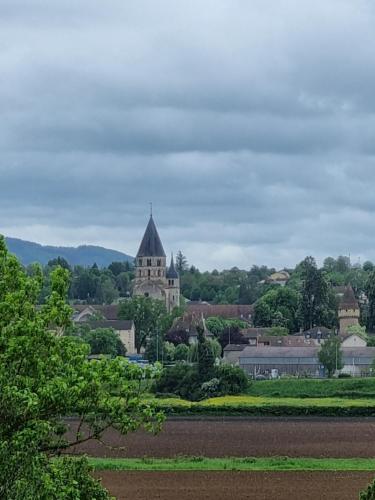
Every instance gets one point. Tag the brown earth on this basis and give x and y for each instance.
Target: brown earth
(235, 485)
(245, 438)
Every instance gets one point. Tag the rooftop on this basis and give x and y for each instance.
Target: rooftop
(151, 245)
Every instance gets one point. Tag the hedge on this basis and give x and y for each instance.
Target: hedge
(258, 406)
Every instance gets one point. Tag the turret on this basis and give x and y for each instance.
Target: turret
(173, 287)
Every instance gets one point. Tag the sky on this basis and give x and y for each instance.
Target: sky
(250, 126)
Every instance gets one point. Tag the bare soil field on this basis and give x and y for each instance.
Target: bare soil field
(334, 438)
(238, 485)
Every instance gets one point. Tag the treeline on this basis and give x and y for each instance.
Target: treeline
(308, 299)
(91, 285)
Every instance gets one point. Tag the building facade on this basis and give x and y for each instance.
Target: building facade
(153, 278)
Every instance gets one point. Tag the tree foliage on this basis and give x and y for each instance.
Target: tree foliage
(44, 377)
(330, 355)
(148, 315)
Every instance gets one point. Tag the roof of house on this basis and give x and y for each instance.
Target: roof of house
(171, 271)
(255, 332)
(234, 347)
(348, 300)
(285, 341)
(316, 332)
(189, 323)
(151, 245)
(304, 352)
(228, 311)
(279, 352)
(121, 324)
(108, 312)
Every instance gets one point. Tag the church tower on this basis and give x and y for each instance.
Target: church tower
(173, 288)
(151, 272)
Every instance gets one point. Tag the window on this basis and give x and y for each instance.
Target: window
(158, 272)
(139, 262)
(158, 262)
(140, 273)
(149, 263)
(149, 274)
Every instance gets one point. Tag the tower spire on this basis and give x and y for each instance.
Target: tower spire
(150, 208)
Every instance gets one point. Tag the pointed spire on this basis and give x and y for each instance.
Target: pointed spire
(151, 245)
(172, 273)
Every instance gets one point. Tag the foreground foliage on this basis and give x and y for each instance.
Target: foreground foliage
(44, 377)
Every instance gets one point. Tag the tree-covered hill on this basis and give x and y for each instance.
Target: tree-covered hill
(85, 255)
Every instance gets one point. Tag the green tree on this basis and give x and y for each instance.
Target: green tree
(206, 356)
(181, 352)
(45, 377)
(104, 341)
(370, 292)
(181, 262)
(330, 355)
(147, 314)
(278, 307)
(315, 299)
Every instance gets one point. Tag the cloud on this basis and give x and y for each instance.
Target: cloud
(248, 124)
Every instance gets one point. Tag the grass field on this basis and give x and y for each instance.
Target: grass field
(311, 388)
(234, 464)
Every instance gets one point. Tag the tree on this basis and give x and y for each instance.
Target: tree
(278, 307)
(330, 355)
(370, 292)
(315, 307)
(206, 356)
(147, 314)
(45, 377)
(181, 262)
(109, 293)
(181, 352)
(104, 341)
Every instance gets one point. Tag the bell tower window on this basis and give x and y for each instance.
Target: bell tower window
(149, 273)
(140, 262)
(149, 263)
(158, 262)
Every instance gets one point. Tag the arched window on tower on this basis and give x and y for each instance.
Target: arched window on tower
(159, 272)
(140, 262)
(158, 262)
(149, 262)
(149, 273)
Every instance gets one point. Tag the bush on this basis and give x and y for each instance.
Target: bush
(233, 380)
(369, 494)
(344, 375)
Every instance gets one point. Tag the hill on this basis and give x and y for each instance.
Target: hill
(84, 255)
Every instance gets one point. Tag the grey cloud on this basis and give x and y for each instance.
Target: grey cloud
(249, 125)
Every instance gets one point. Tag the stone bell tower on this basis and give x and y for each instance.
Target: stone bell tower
(152, 277)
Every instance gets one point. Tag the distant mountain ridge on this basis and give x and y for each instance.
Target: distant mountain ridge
(84, 255)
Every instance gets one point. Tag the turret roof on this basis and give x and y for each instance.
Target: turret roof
(151, 245)
(348, 301)
(171, 272)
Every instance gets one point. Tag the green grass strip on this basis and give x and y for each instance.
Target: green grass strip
(234, 464)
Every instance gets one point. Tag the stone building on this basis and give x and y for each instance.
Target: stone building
(152, 276)
(349, 310)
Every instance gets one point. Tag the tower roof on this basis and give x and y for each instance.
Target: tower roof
(151, 245)
(171, 272)
(348, 300)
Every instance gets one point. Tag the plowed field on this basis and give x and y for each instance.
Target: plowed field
(335, 438)
(235, 485)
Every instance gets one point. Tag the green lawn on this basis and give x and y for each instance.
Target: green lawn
(238, 464)
(312, 388)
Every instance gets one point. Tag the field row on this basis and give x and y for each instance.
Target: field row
(252, 405)
(234, 464)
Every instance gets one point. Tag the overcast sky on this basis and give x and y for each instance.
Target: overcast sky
(250, 125)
